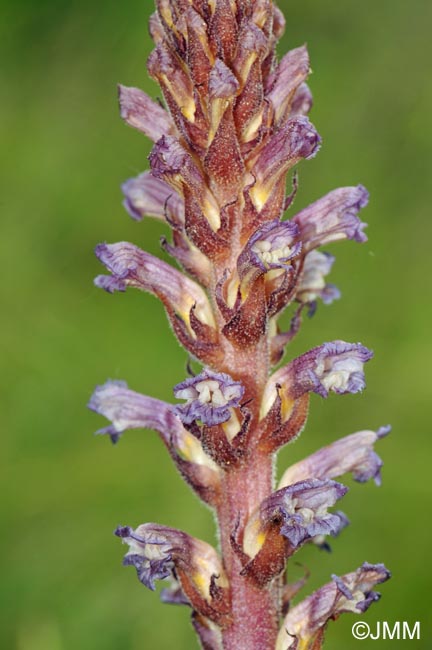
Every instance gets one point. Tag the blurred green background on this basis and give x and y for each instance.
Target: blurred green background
(65, 152)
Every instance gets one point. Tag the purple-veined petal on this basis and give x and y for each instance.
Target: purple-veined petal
(354, 453)
(168, 159)
(147, 195)
(252, 44)
(312, 284)
(335, 366)
(300, 512)
(150, 552)
(222, 83)
(130, 266)
(166, 67)
(295, 140)
(292, 70)
(302, 101)
(210, 397)
(333, 217)
(332, 367)
(157, 551)
(141, 112)
(130, 410)
(171, 162)
(272, 246)
(353, 592)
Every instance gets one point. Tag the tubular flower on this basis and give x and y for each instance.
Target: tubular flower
(286, 520)
(333, 217)
(299, 511)
(130, 410)
(148, 195)
(133, 267)
(272, 246)
(353, 454)
(232, 124)
(312, 284)
(141, 112)
(304, 626)
(210, 396)
(158, 552)
(332, 367)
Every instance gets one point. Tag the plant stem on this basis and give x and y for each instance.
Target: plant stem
(254, 609)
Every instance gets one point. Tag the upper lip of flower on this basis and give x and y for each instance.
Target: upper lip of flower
(354, 453)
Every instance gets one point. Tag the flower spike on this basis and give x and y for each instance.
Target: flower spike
(232, 123)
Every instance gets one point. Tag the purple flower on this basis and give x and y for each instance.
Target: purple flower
(222, 83)
(130, 266)
(171, 162)
(272, 246)
(300, 513)
(333, 217)
(210, 397)
(353, 454)
(295, 140)
(312, 284)
(166, 67)
(302, 101)
(130, 410)
(292, 71)
(353, 592)
(335, 366)
(158, 552)
(139, 111)
(168, 160)
(147, 195)
(149, 553)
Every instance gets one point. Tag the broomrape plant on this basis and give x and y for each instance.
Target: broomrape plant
(233, 124)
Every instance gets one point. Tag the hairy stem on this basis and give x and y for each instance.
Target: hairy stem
(254, 610)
